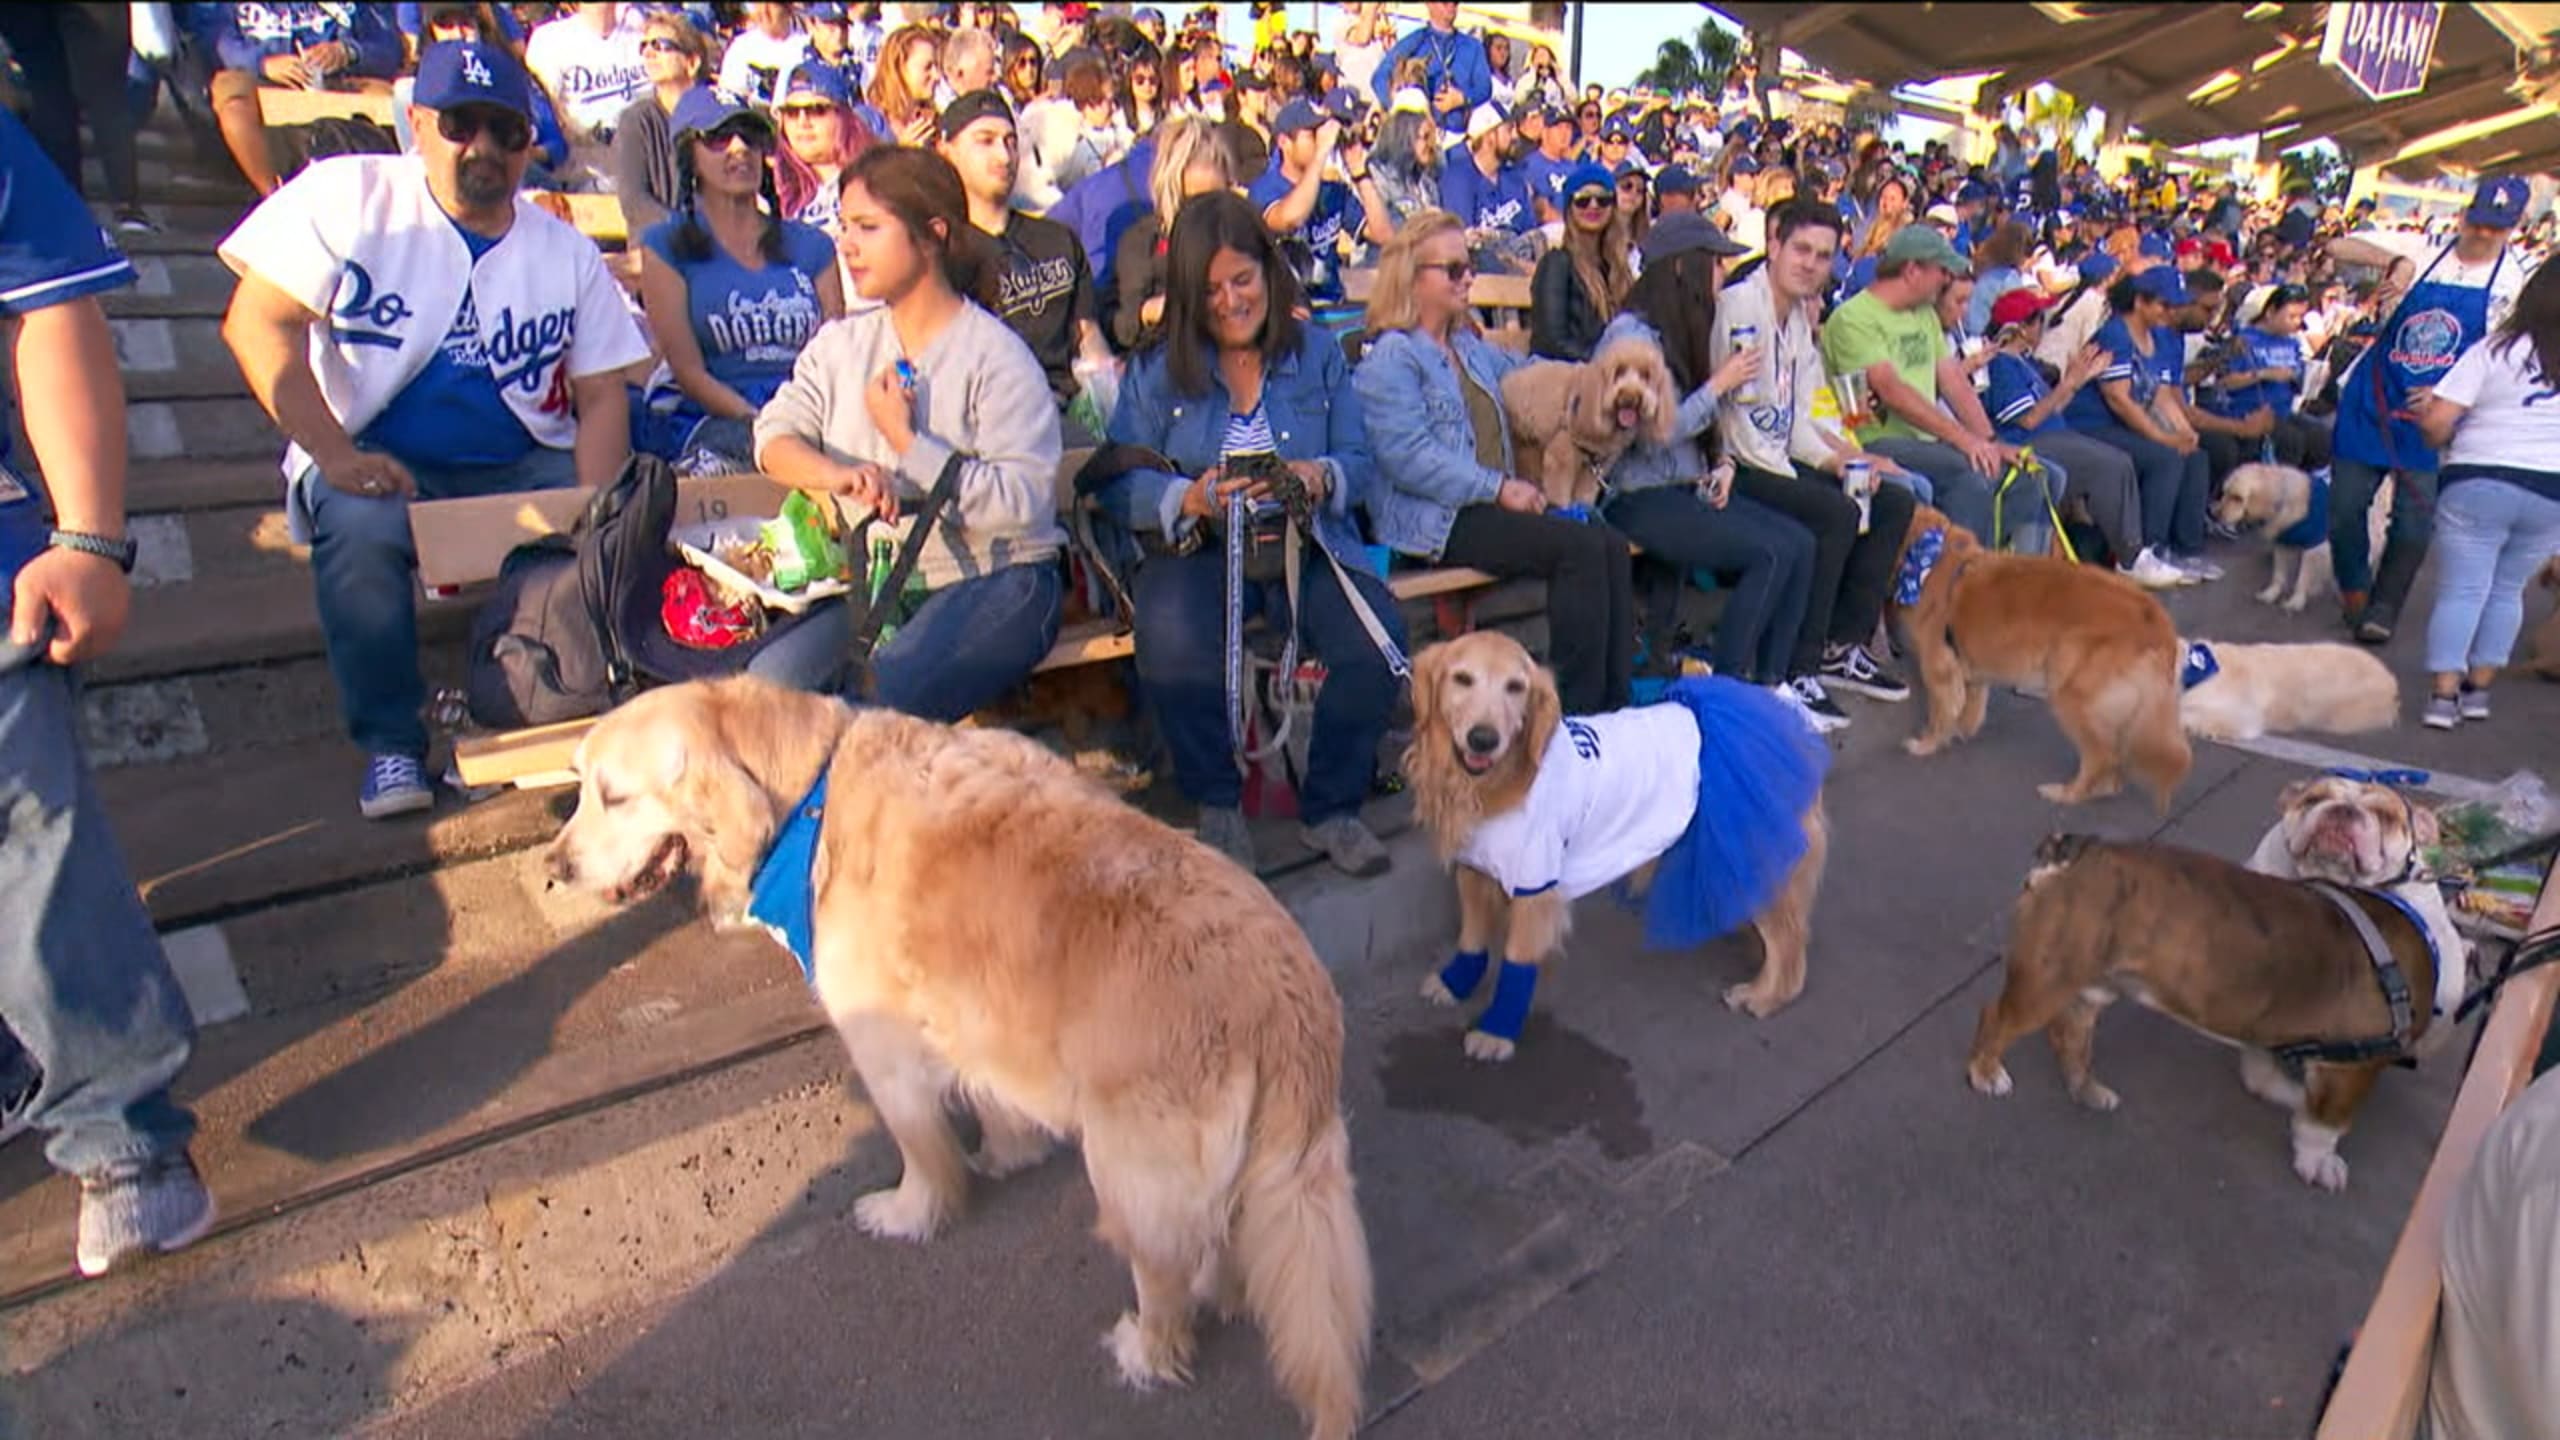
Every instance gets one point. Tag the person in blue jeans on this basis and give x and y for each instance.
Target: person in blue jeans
(1235, 371)
(879, 405)
(417, 331)
(2125, 408)
(94, 1019)
(2495, 416)
(732, 291)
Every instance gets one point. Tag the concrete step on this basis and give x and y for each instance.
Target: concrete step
(223, 714)
(173, 286)
(521, 1120)
(175, 178)
(166, 358)
(185, 484)
(187, 227)
(213, 623)
(200, 429)
(224, 543)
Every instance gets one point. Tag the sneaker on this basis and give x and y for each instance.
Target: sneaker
(1223, 828)
(1810, 700)
(2197, 566)
(2443, 712)
(2474, 703)
(394, 785)
(134, 220)
(2376, 626)
(1348, 844)
(1852, 668)
(136, 1207)
(2152, 572)
(2220, 531)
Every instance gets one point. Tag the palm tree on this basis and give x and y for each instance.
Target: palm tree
(2058, 117)
(1699, 64)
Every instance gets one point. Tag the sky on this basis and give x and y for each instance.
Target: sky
(1618, 39)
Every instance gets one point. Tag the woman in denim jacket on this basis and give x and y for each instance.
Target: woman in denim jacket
(1236, 372)
(1432, 389)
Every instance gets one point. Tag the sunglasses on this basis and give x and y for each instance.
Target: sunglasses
(463, 124)
(758, 136)
(659, 45)
(1590, 201)
(804, 112)
(1457, 270)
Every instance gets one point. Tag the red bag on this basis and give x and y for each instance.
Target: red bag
(696, 616)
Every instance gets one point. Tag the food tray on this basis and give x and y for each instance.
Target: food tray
(694, 542)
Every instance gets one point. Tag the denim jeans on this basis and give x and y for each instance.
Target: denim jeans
(1852, 573)
(1766, 557)
(83, 983)
(364, 572)
(2173, 488)
(2352, 486)
(1957, 490)
(1181, 635)
(2490, 537)
(965, 648)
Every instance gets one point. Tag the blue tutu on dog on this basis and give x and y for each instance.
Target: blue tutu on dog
(1759, 770)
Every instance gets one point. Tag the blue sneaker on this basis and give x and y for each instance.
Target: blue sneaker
(394, 785)
(140, 1207)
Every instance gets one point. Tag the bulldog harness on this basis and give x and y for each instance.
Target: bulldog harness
(2386, 972)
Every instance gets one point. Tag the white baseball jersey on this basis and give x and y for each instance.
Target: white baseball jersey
(1613, 791)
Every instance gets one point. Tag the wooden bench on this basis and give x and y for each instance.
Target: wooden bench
(2383, 1390)
(1507, 296)
(278, 105)
(461, 544)
(598, 217)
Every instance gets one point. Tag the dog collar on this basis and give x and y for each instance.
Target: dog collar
(2199, 665)
(1917, 562)
(780, 897)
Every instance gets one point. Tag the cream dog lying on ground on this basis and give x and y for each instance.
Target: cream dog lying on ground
(2240, 692)
(1715, 794)
(1570, 423)
(979, 919)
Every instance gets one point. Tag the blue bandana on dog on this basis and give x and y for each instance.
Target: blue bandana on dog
(1917, 562)
(2198, 666)
(780, 898)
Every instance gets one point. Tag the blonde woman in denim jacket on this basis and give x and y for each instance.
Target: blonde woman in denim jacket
(1235, 371)
(1431, 390)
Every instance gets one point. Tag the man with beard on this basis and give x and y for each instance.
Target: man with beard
(1481, 186)
(1042, 287)
(418, 331)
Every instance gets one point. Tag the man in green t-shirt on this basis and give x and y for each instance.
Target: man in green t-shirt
(1889, 333)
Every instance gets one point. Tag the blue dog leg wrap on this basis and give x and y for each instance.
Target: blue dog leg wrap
(1511, 995)
(1463, 971)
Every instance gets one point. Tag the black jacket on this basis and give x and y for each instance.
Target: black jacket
(1563, 323)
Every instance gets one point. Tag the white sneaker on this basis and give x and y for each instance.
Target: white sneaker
(2198, 567)
(2152, 571)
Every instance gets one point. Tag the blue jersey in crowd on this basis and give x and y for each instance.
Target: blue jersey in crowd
(1315, 248)
(2017, 387)
(1499, 201)
(1546, 177)
(450, 413)
(51, 252)
(246, 35)
(2088, 408)
(1102, 206)
(751, 323)
(2259, 350)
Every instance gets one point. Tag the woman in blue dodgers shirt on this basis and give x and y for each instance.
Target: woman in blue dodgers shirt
(1235, 371)
(100, 1028)
(2462, 291)
(732, 292)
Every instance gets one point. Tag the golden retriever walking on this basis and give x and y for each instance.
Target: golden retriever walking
(1535, 810)
(987, 921)
(2105, 652)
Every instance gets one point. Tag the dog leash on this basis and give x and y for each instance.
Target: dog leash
(1292, 564)
(871, 601)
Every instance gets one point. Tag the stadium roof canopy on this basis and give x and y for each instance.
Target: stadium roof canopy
(2186, 73)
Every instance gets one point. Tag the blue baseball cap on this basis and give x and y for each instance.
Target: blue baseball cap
(828, 10)
(1675, 180)
(2499, 204)
(1630, 167)
(818, 78)
(1746, 163)
(1618, 127)
(703, 110)
(466, 72)
(2162, 283)
(2097, 266)
(1974, 190)
(1589, 175)
(1345, 104)
(1296, 116)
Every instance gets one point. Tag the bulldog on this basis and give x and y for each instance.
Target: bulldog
(2281, 968)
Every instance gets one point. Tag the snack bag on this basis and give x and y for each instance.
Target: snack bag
(804, 544)
(700, 618)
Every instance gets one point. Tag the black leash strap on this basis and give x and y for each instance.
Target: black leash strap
(871, 605)
(2386, 971)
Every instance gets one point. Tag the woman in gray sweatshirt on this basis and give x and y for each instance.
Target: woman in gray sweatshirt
(852, 424)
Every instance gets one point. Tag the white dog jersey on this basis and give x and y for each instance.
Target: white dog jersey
(1613, 791)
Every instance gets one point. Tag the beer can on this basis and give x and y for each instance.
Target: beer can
(1858, 480)
(1744, 337)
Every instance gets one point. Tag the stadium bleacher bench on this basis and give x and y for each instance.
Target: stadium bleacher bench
(278, 105)
(462, 543)
(2383, 1391)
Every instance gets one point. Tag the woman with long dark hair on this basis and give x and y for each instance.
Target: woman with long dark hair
(1234, 373)
(1681, 510)
(1579, 284)
(879, 405)
(732, 290)
(2495, 418)
(1142, 88)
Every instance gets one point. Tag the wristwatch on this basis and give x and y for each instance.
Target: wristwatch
(1360, 177)
(120, 551)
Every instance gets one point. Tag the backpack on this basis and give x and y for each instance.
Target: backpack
(292, 147)
(574, 626)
